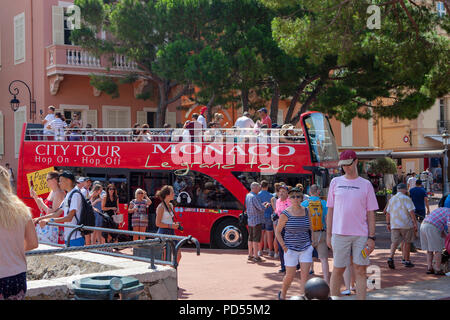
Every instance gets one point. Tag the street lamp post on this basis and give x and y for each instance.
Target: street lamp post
(445, 140)
(15, 103)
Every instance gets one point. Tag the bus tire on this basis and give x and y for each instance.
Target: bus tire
(229, 235)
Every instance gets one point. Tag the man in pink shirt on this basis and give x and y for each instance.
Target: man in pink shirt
(265, 119)
(350, 223)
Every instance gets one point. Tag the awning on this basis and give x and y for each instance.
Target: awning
(369, 155)
(418, 154)
(436, 137)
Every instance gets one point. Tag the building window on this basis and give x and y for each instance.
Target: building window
(440, 9)
(19, 38)
(116, 117)
(442, 110)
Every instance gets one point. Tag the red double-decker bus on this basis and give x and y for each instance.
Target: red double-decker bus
(211, 179)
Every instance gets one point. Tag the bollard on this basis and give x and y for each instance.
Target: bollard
(107, 288)
(317, 289)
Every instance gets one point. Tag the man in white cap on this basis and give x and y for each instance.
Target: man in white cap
(350, 224)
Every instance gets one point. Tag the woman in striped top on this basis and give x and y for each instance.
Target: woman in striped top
(296, 243)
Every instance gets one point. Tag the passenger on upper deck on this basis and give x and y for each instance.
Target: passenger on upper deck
(57, 127)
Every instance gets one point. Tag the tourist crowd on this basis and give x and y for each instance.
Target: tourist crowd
(197, 129)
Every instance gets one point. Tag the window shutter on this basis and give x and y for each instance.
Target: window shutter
(19, 38)
(280, 118)
(91, 118)
(2, 135)
(58, 25)
(347, 135)
(20, 117)
(123, 119)
(142, 117)
(171, 118)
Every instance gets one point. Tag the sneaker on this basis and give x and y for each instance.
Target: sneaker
(271, 254)
(258, 259)
(409, 264)
(391, 263)
(403, 261)
(346, 292)
(276, 255)
(250, 258)
(260, 253)
(282, 271)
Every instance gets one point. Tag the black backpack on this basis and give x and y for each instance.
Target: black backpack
(87, 215)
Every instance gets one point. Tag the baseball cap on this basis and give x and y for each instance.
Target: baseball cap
(81, 179)
(296, 190)
(402, 186)
(262, 110)
(283, 186)
(202, 110)
(68, 175)
(347, 157)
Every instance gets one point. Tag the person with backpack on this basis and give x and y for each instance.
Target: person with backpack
(72, 207)
(318, 211)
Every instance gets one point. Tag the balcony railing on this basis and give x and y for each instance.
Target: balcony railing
(63, 59)
(443, 125)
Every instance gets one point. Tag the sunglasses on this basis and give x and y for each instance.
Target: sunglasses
(346, 165)
(295, 197)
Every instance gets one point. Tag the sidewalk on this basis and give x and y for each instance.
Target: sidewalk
(226, 274)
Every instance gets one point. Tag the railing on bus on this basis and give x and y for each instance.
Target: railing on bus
(292, 136)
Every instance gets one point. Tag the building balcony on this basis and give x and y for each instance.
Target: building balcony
(67, 59)
(73, 60)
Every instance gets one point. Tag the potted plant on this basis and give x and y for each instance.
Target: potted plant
(382, 167)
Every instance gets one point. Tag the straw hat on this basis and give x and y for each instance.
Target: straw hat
(285, 128)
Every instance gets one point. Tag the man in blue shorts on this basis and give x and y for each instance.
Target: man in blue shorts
(419, 197)
(267, 231)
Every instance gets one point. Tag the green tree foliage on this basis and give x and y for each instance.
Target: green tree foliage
(398, 70)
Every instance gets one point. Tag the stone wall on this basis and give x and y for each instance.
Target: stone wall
(50, 277)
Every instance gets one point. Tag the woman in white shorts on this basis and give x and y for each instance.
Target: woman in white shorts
(297, 241)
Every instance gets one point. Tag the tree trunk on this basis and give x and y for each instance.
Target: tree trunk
(209, 106)
(244, 99)
(275, 102)
(162, 104)
(294, 100)
(312, 97)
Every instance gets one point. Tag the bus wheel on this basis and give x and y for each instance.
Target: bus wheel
(228, 235)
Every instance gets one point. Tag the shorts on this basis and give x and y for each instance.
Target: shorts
(399, 235)
(319, 240)
(14, 287)
(254, 233)
(268, 224)
(98, 220)
(430, 238)
(344, 246)
(79, 242)
(292, 258)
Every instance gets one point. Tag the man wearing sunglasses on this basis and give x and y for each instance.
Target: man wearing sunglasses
(350, 223)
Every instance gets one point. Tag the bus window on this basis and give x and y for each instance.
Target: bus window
(321, 139)
(246, 178)
(197, 190)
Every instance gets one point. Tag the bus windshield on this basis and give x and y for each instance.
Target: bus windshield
(321, 138)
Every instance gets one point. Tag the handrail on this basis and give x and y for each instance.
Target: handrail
(170, 135)
(168, 240)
